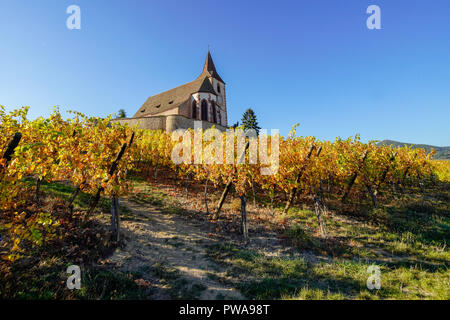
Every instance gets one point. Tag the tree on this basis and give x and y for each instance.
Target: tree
(234, 126)
(121, 114)
(249, 121)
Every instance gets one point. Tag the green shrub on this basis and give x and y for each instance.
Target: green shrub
(301, 238)
(378, 216)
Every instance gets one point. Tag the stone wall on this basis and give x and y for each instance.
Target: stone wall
(149, 123)
(167, 123)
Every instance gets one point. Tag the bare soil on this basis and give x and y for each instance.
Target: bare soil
(153, 238)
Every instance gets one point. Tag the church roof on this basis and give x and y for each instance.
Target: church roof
(175, 97)
(211, 68)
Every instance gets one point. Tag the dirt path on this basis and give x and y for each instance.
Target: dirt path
(172, 248)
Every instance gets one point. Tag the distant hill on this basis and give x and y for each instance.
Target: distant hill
(442, 153)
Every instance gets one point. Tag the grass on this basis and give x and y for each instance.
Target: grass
(269, 278)
(286, 278)
(82, 201)
(407, 237)
(178, 286)
(41, 274)
(65, 191)
(110, 285)
(47, 280)
(147, 194)
(416, 230)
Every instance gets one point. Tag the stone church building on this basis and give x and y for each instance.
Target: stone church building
(203, 99)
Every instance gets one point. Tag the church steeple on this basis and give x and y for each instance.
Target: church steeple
(210, 68)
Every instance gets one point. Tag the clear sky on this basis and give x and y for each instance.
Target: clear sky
(310, 62)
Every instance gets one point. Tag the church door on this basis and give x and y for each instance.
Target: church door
(204, 110)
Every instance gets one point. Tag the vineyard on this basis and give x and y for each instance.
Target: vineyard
(95, 163)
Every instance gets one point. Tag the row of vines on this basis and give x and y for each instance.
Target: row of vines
(94, 155)
(87, 153)
(348, 170)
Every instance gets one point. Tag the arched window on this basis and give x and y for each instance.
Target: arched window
(194, 110)
(214, 112)
(204, 110)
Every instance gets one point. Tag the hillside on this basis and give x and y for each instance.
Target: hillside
(442, 153)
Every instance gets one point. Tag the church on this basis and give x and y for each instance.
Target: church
(203, 99)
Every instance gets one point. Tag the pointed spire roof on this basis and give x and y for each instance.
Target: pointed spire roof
(210, 68)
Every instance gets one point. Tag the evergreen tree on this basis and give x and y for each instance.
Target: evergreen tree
(121, 114)
(249, 121)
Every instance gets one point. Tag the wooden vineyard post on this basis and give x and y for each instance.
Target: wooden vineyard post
(186, 184)
(130, 143)
(319, 208)
(73, 197)
(155, 173)
(374, 191)
(293, 191)
(244, 224)
(112, 170)
(354, 176)
(115, 218)
(253, 193)
(228, 187)
(36, 192)
(372, 195)
(405, 174)
(12, 145)
(205, 195)
(118, 218)
(319, 204)
(222, 198)
(322, 191)
(385, 172)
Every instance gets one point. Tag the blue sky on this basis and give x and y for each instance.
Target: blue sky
(308, 62)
